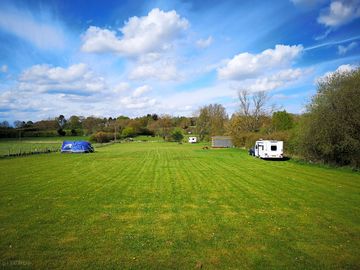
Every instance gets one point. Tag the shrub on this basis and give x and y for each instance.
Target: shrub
(73, 132)
(330, 130)
(128, 132)
(177, 135)
(102, 137)
(61, 132)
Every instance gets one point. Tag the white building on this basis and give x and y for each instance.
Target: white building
(269, 149)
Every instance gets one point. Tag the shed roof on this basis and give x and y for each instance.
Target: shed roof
(221, 137)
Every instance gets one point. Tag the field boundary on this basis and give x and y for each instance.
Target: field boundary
(20, 152)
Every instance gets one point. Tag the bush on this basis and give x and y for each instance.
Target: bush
(144, 131)
(176, 135)
(128, 132)
(102, 137)
(330, 130)
(61, 132)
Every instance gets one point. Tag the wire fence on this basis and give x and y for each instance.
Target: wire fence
(26, 151)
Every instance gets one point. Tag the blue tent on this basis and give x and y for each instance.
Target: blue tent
(76, 147)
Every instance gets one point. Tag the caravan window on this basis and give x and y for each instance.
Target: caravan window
(273, 148)
(256, 147)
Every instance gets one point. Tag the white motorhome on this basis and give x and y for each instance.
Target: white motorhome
(269, 149)
(192, 139)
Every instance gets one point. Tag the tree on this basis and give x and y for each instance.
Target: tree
(61, 121)
(92, 124)
(330, 129)
(46, 125)
(164, 126)
(282, 121)
(177, 135)
(74, 122)
(252, 109)
(211, 121)
(29, 123)
(5, 124)
(19, 124)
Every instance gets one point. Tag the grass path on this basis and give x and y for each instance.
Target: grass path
(170, 206)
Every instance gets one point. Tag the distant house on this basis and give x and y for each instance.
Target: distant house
(192, 139)
(221, 142)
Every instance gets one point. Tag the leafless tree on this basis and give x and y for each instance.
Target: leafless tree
(244, 102)
(252, 108)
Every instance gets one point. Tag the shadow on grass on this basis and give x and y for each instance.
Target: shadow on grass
(277, 159)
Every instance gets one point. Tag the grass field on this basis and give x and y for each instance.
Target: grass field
(33, 144)
(171, 206)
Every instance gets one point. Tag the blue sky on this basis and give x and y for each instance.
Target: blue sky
(110, 58)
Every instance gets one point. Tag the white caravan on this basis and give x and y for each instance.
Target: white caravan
(269, 149)
(192, 139)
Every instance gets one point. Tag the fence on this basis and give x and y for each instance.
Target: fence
(29, 151)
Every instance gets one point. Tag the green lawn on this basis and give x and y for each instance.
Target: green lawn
(171, 206)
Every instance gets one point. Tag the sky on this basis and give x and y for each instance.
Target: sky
(111, 58)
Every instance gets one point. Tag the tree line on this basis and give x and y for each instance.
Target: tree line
(328, 131)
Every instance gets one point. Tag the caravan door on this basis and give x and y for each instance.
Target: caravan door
(259, 149)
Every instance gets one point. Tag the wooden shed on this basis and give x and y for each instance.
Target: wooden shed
(221, 142)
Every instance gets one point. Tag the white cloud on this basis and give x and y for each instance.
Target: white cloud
(154, 66)
(160, 70)
(138, 102)
(152, 33)
(76, 79)
(121, 87)
(4, 68)
(141, 90)
(340, 13)
(247, 65)
(277, 80)
(204, 43)
(38, 29)
(344, 49)
(340, 69)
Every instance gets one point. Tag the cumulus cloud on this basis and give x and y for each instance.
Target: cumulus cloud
(152, 33)
(340, 69)
(77, 79)
(344, 49)
(4, 68)
(340, 13)
(154, 66)
(277, 80)
(247, 65)
(39, 29)
(204, 43)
